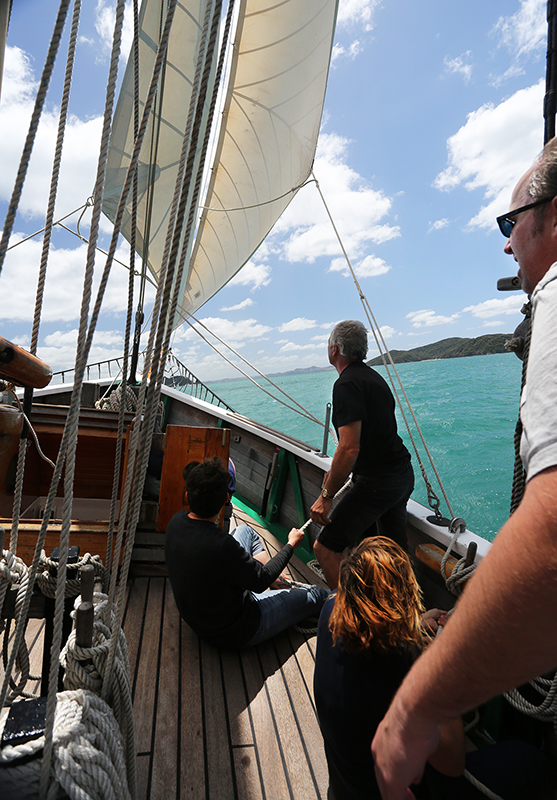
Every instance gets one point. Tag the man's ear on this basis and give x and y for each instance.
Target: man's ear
(554, 218)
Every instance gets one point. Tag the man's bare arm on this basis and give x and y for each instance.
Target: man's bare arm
(503, 633)
(343, 461)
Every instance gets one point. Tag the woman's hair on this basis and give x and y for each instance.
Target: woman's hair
(378, 603)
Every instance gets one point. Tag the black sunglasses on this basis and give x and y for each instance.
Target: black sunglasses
(506, 222)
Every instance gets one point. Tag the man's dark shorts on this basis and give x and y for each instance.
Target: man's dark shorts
(373, 506)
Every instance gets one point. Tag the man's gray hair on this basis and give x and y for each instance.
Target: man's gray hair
(543, 181)
(350, 337)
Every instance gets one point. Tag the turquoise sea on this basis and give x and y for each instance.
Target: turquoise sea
(466, 409)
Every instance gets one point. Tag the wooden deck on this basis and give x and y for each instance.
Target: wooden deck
(218, 725)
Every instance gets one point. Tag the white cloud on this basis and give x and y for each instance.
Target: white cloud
(64, 286)
(81, 145)
(351, 52)
(370, 266)
(292, 346)
(360, 12)
(232, 332)
(460, 66)
(59, 348)
(438, 225)
(524, 34)
(298, 324)
(239, 306)
(357, 209)
(493, 149)
(105, 18)
(427, 318)
(256, 274)
(490, 308)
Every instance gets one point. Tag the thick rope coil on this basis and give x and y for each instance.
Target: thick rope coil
(14, 574)
(461, 573)
(47, 582)
(546, 711)
(114, 399)
(88, 754)
(456, 581)
(85, 668)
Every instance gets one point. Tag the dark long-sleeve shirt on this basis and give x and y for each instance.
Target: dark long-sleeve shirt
(212, 578)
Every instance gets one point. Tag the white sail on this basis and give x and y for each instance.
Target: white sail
(160, 153)
(266, 144)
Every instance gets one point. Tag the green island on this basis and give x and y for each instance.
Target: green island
(455, 347)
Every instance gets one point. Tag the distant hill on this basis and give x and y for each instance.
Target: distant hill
(450, 348)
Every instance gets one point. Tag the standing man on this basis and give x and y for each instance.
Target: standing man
(504, 631)
(370, 448)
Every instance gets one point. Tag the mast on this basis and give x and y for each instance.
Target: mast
(550, 99)
(5, 11)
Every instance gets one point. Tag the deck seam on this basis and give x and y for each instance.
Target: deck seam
(228, 730)
(204, 719)
(156, 692)
(179, 721)
(295, 712)
(252, 726)
(275, 726)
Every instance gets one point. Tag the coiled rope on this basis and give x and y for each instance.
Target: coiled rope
(114, 400)
(85, 668)
(47, 579)
(14, 575)
(87, 754)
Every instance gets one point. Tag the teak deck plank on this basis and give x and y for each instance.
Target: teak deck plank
(221, 725)
(34, 635)
(165, 755)
(191, 776)
(268, 750)
(145, 678)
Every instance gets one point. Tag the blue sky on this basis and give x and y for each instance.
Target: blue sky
(433, 111)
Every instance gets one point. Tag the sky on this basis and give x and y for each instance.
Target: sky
(433, 111)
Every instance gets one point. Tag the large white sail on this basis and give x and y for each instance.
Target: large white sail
(267, 144)
(160, 153)
(264, 149)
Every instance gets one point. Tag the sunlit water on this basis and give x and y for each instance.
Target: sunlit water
(466, 409)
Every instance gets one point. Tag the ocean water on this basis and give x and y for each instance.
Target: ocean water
(466, 409)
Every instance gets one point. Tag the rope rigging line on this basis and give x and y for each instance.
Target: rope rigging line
(82, 208)
(33, 126)
(171, 269)
(292, 191)
(83, 346)
(303, 412)
(379, 336)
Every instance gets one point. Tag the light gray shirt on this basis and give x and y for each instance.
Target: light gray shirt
(538, 403)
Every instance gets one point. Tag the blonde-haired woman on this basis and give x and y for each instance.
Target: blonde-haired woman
(369, 635)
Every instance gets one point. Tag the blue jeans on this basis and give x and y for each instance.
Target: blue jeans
(280, 608)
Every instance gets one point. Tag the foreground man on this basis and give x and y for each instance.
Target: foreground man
(370, 448)
(504, 631)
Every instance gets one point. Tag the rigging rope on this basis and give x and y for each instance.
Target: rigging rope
(303, 412)
(33, 126)
(374, 327)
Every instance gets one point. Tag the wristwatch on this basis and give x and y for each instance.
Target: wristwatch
(325, 493)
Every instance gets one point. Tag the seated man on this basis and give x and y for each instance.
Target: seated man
(221, 581)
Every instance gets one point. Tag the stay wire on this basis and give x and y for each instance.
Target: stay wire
(303, 412)
(384, 350)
